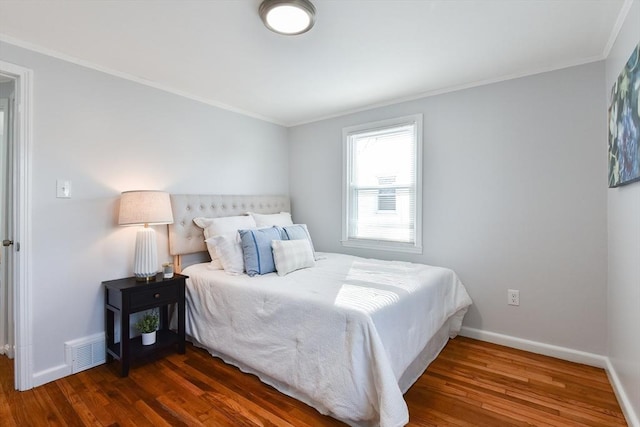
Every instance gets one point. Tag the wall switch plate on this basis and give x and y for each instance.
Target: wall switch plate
(513, 297)
(63, 189)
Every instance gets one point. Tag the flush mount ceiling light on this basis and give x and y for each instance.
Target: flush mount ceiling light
(289, 17)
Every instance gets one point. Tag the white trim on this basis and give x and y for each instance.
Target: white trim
(382, 245)
(625, 403)
(88, 64)
(622, 16)
(22, 223)
(51, 374)
(551, 350)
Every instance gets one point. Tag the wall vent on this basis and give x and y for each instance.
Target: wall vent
(85, 353)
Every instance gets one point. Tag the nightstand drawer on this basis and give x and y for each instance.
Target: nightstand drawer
(153, 297)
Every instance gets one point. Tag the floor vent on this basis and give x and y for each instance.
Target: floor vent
(85, 353)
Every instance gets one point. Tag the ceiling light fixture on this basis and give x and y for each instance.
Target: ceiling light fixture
(288, 17)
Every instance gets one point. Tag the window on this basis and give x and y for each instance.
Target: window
(382, 185)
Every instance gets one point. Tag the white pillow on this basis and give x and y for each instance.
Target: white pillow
(269, 220)
(298, 232)
(219, 226)
(229, 251)
(291, 255)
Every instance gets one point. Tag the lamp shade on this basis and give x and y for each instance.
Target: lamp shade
(145, 208)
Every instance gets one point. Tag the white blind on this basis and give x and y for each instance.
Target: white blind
(382, 184)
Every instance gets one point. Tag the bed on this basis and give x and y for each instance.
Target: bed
(347, 336)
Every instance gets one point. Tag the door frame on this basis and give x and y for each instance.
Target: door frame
(22, 191)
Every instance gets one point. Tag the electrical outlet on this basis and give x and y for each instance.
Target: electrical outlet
(63, 189)
(513, 297)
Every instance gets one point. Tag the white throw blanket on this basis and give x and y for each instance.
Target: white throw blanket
(337, 336)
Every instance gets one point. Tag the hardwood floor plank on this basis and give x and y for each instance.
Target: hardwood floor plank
(186, 411)
(63, 406)
(471, 383)
(151, 414)
(86, 415)
(51, 412)
(267, 398)
(577, 395)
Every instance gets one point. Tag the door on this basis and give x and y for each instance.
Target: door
(15, 220)
(7, 326)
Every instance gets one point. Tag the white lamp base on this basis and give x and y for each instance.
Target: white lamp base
(145, 263)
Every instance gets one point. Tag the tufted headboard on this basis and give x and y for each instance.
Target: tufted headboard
(187, 238)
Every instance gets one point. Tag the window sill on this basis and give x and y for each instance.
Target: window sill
(382, 245)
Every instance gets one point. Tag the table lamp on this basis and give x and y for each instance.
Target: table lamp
(145, 208)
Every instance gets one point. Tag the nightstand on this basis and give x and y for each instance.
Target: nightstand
(123, 297)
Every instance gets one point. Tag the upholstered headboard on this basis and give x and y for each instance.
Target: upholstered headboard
(187, 238)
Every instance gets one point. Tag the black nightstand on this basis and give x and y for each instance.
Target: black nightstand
(125, 296)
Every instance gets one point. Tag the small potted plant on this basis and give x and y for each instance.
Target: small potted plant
(147, 326)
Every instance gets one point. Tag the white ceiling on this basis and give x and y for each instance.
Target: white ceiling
(359, 54)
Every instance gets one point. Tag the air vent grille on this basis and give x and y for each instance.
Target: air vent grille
(85, 353)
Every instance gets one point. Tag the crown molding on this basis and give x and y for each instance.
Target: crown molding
(156, 85)
(622, 16)
(455, 88)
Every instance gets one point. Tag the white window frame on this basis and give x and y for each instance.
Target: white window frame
(348, 201)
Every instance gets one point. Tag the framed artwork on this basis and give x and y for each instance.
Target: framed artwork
(624, 124)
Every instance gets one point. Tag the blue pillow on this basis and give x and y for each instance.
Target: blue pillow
(256, 249)
(298, 232)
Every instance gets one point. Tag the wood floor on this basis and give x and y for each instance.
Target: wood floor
(472, 383)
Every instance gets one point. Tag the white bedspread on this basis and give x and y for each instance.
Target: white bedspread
(337, 336)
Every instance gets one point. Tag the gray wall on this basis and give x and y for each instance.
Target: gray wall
(624, 246)
(514, 196)
(108, 135)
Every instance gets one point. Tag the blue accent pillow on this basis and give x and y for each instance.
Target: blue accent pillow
(298, 232)
(256, 249)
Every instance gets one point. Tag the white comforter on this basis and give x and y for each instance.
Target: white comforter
(337, 336)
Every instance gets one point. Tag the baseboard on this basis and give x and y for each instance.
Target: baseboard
(51, 374)
(563, 353)
(80, 354)
(623, 399)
